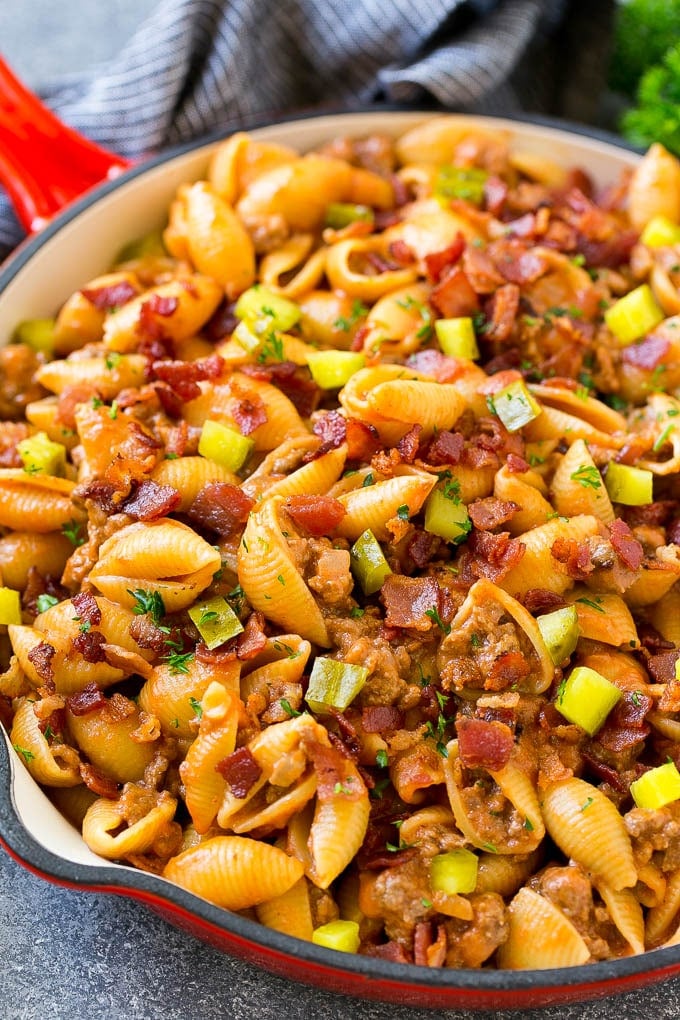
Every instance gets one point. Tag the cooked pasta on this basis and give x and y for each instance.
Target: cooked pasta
(340, 548)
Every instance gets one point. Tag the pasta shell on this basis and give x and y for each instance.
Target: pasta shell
(107, 375)
(654, 188)
(108, 744)
(281, 416)
(49, 764)
(430, 404)
(337, 833)
(626, 913)
(588, 409)
(218, 244)
(554, 423)
(179, 308)
(577, 487)
(437, 140)
(662, 919)
(484, 593)
(528, 492)
(504, 874)
(104, 836)
(238, 160)
(313, 478)
(282, 661)
(540, 936)
(537, 561)
(587, 827)
(189, 475)
(36, 503)
(604, 617)
(21, 550)
(656, 578)
(73, 802)
(43, 414)
(264, 815)
(234, 872)
(164, 556)
(170, 696)
(665, 616)
(216, 739)
(289, 913)
(80, 321)
(374, 505)
(539, 168)
(342, 276)
(271, 580)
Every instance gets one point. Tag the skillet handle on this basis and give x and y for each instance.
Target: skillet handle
(44, 164)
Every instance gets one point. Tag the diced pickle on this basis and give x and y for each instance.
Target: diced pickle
(457, 337)
(224, 445)
(36, 333)
(262, 309)
(341, 214)
(446, 517)
(629, 485)
(454, 872)
(40, 456)
(340, 935)
(516, 406)
(560, 631)
(215, 621)
(334, 684)
(634, 315)
(659, 232)
(586, 698)
(10, 606)
(656, 788)
(332, 369)
(368, 563)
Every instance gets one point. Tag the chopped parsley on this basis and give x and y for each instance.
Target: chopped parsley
(381, 759)
(45, 602)
(111, 360)
(196, 705)
(586, 804)
(288, 708)
(402, 512)
(593, 604)
(433, 614)
(179, 661)
(588, 476)
(150, 602)
(24, 752)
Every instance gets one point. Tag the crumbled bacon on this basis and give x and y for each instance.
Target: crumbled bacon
(435, 364)
(111, 296)
(148, 325)
(626, 546)
(625, 727)
(489, 513)
(516, 465)
(90, 699)
(85, 605)
(574, 555)
(37, 585)
(437, 262)
(334, 771)
(253, 639)
(183, 376)
(662, 666)
(516, 262)
(454, 296)
(486, 745)
(331, 430)
(541, 600)
(648, 353)
(495, 194)
(240, 770)
(97, 783)
(507, 671)
(414, 602)
(491, 555)
(381, 718)
(401, 253)
(293, 380)
(88, 643)
(40, 656)
(221, 507)
(408, 444)
(446, 448)
(150, 501)
(69, 399)
(501, 313)
(317, 515)
(423, 547)
(146, 634)
(393, 951)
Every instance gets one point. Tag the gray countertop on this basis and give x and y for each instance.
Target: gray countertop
(74, 954)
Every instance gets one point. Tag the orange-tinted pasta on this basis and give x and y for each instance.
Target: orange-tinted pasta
(282, 632)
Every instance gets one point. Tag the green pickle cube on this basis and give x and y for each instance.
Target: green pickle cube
(40, 456)
(332, 369)
(261, 308)
(516, 406)
(10, 607)
(215, 621)
(224, 445)
(560, 631)
(586, 698)
(634, 315)
(368, 563)
(629, 485)
(341, 214)
(656, 788)
(342, 936)
(457, 337)
(446, 517)
(334, 684)
(454, 872)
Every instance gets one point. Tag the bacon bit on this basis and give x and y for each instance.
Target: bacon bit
(85, 605)
(103, 494)
(37, 585)
(454, 295)
(240, 770)
(625, 725)
(446, 448)
(169, 400)
(489, 513)
(292, 380)
(401, 253)
(55, 722)
(480, 271)
(109, 297)
(607, 774)
(541, 600)
(437, 365)
(633, 449)
(97, 783)
(408, 444)
(40, 656)
(656, 514)
(574, 555)
(662, 667)
(183, 376)
(359, 338)
(501, 312)
(379, 861)
(516, 262)
(652, 640)
(222, 323)
(409, 600)
(11, 433)
(495, 195)
(219, 656)
(506, 671)
(393, 951)
(437, 262)
(335, 773)
(486, 745)
(423, 547)
(331, 430)
(126, 661)
(148, 325)
(249, 414)
(151, 501)
(317, 515)
(90, 699)
(647, 354)
(626, 546)
(381, 718)
(523, 226)
(69, 399)
(348, 747)
(253, 639)
(610, 253)
(494, 555)
(516, 465)
(221, 507)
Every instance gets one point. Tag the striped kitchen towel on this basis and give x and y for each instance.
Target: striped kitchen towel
(196, 66)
